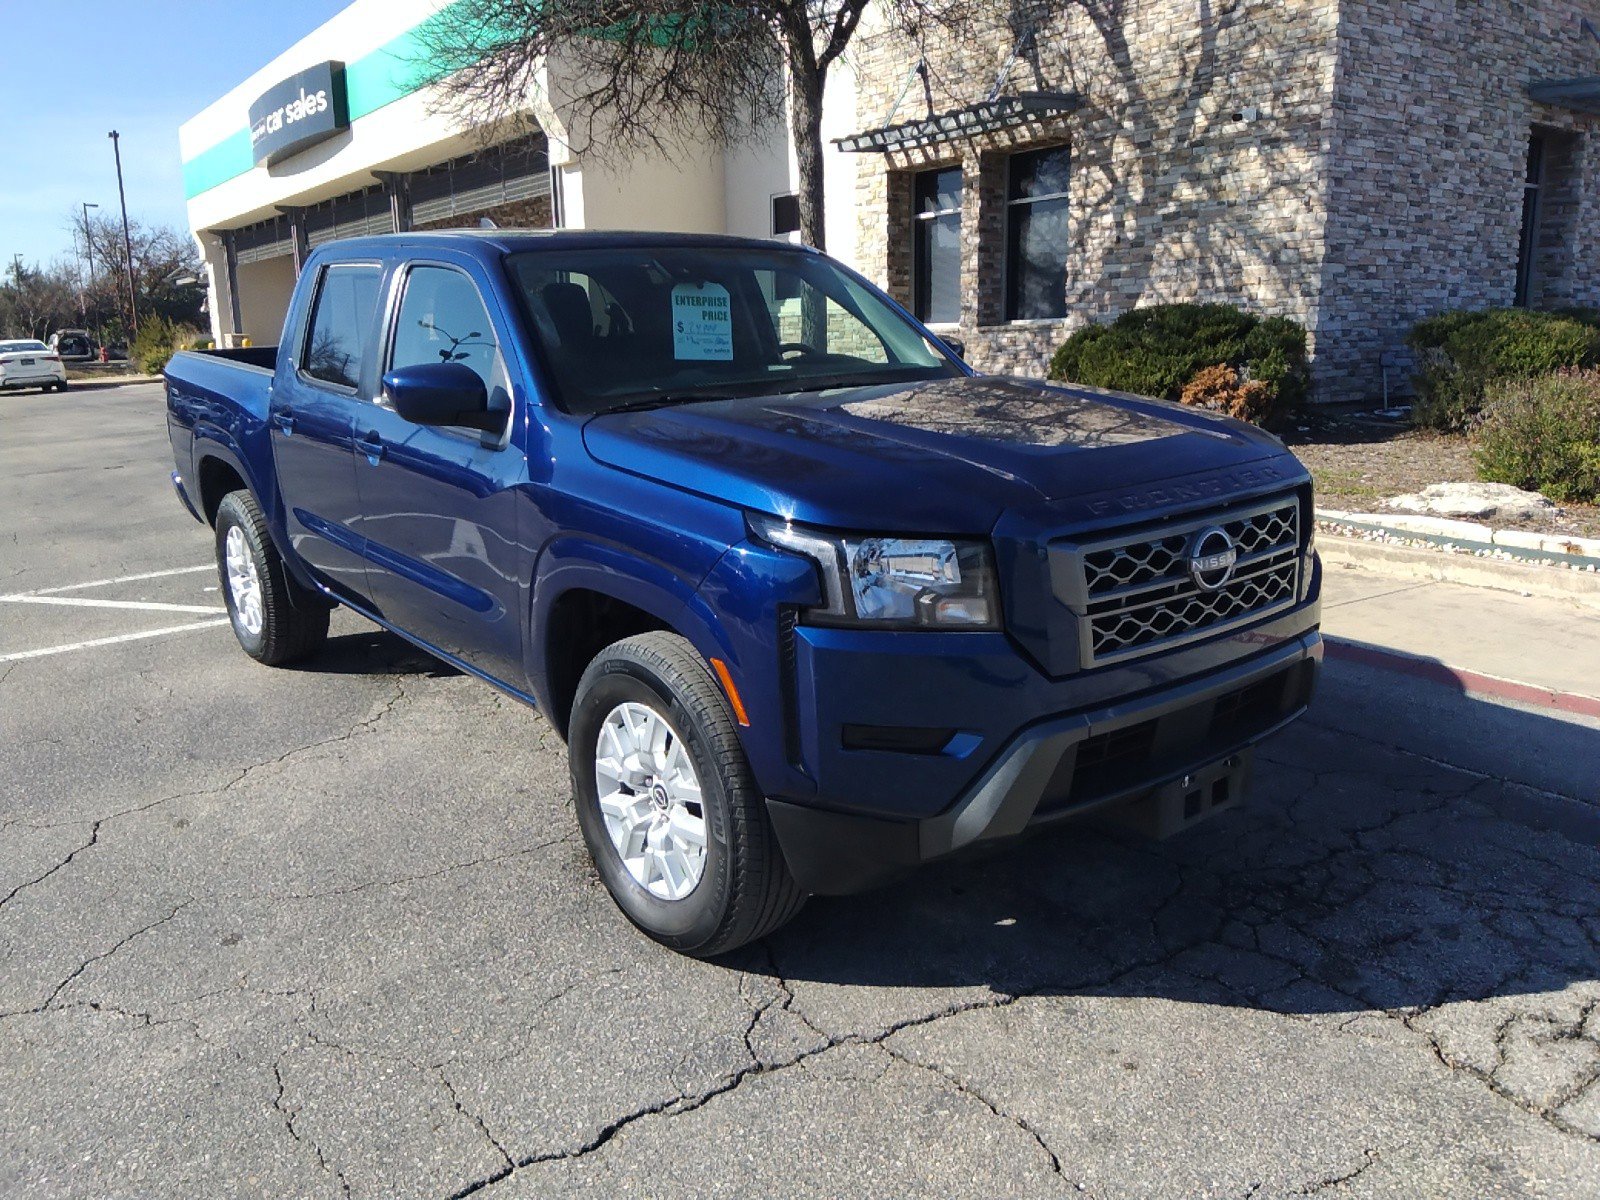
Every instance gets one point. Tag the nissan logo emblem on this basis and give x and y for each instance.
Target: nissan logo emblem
(1211, 559)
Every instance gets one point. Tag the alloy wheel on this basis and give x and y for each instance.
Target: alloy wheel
(244, 582)
(651, 801)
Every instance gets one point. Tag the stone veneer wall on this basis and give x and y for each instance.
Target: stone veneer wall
(1176, 194)
(1380, 180)
(1428, 158)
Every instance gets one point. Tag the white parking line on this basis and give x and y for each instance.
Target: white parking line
(82, 602)
(94, 583)
(109, 641)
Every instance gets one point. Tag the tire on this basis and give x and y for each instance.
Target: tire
(283, 621)
(61, 386)
(744, 889)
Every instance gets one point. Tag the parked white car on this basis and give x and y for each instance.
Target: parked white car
(28, 363)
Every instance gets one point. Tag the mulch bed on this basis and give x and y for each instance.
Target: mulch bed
(1359, 460)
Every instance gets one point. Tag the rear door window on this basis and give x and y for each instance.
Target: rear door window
(339, 334)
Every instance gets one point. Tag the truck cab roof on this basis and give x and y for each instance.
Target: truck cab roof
(509, 241)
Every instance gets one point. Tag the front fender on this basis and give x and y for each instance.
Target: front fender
(666, 592)
(678, 601)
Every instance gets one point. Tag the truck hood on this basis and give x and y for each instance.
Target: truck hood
(942, 456)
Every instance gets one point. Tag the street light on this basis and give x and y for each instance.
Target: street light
(88, 253)
(127, 239)
(88, 241)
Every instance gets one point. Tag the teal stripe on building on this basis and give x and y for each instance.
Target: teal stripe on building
(391, 72)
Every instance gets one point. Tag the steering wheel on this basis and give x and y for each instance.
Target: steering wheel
(802, 349)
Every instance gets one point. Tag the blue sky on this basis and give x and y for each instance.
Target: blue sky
(141, 68)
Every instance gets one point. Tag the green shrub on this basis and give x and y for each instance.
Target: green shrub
(1543, 433)
(1158, 351)
(158, 339)
(1461, 354)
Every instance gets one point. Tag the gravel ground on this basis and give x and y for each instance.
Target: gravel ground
(1358, 462)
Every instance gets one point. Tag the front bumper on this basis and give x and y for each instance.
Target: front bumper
(1060, 767)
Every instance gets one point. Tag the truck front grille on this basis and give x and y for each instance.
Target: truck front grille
(1138, 594)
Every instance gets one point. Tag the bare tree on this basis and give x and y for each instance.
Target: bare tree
(665, 74)
(33, 301)
(161, 256)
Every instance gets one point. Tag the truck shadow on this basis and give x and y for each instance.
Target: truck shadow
(1361, 875)
(374, 651)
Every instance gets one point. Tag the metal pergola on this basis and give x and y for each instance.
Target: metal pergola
(994, 115)
(1581, 94)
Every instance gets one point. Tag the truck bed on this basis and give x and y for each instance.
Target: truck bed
(217, 406)
(253, 356)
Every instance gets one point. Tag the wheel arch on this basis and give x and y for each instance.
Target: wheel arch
(220, 469)
(587, 596)
(217, 475)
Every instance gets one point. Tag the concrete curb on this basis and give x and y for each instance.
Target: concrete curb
(96, 385)
(1410, 562)
(1561, 549)
(1473, 683)
(1434, 548)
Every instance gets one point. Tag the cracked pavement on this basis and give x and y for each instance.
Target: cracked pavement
(332, 932)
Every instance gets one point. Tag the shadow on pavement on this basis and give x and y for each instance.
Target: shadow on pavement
(374, 652)
(1358, 877)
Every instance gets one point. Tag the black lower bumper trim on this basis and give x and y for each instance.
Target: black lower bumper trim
(836, 854)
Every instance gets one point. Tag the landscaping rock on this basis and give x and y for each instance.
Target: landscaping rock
(1476, 500)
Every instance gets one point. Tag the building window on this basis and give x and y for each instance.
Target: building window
(1036, 234)
(785, 215)
(936, 246)
(1533, 182)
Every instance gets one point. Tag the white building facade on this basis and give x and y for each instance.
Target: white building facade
(338, 137)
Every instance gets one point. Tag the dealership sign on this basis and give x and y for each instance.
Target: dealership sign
(296, 114)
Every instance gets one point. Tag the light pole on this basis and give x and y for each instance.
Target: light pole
(127, 239)
(88, 254)
(88, 241)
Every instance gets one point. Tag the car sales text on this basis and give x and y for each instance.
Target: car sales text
(308, 105)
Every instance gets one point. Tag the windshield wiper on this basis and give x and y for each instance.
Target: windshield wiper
(828, 383)
(645, 404)
(670, 399)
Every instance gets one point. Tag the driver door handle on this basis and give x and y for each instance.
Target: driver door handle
(372, 446)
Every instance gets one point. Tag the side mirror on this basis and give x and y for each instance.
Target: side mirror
(442, 393)
(956, 346)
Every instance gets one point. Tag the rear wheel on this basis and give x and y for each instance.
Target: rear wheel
(276, 620)
(671, 813)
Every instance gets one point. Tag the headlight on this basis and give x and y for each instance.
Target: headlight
(893, 582)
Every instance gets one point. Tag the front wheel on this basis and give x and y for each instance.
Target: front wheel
(671, 813)
(276, 620)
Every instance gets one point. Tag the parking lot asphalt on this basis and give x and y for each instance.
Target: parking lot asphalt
(331, 931)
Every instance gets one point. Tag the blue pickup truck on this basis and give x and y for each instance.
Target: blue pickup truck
(810, 600)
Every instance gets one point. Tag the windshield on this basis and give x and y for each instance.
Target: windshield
(631, 327)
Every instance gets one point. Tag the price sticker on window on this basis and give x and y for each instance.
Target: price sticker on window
(702, 323)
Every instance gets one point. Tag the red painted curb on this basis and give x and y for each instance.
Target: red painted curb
(1464, 681)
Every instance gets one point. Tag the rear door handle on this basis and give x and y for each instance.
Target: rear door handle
(372, 446)
(284, 421)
